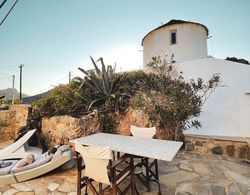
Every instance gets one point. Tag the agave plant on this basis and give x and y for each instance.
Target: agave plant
(101, 81)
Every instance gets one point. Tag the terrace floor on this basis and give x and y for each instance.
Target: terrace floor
(188, 173)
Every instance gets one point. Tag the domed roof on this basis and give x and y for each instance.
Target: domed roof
(173, 22)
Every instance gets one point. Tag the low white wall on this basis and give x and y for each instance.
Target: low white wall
(227, 110)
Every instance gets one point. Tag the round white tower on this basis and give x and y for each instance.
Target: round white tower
(183, 40)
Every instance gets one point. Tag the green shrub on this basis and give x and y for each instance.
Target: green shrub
(170, 103)
(4, 107)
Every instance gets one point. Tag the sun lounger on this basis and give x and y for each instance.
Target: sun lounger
(20, 148)
(43, 164)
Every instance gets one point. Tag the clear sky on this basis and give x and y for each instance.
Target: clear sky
(53, 37)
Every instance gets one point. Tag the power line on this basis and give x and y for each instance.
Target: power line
(9, 12)
(2, 3)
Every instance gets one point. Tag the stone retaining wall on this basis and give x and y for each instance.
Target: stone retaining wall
(131, 117)
(229, 146)
(57, 128)
(11, 120)
(137, 118)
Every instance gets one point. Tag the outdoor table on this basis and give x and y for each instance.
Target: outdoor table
(150, 148)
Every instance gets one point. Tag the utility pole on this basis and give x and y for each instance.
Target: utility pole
(13, 87)
(21, 74)
(69, 77)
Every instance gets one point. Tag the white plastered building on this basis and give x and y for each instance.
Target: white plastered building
(227, 110)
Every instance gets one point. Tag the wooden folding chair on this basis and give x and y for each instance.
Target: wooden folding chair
(99, 166)
(150, 165)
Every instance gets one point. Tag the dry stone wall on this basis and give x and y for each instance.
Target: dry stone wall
(131, 117)
(228, 146)
(57, 128)
(11, 120)
(21, 115)
(140, 119)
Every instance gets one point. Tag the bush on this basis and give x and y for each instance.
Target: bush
(170, 103)
(62, 100)
(4, 107)
(173, 107)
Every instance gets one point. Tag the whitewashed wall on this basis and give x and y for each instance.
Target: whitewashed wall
(227, 111)
(191, 43)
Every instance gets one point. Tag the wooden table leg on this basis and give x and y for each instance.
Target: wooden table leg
(147, 175)
(132, 175)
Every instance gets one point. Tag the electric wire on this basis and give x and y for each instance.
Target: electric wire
(9, 12)
(2, 3)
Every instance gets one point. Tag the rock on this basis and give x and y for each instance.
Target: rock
(186, 162)
(211, 157)
(25, 193)
(230, 149)
(217, 150)
(198, 143)
(199, 156)
(58, 127)
(177, 177)
(131, 117)
(53, 186)
(57, 193)
(185, 188)
(21, 187)
(201, 168)
(236, 167)
(4, 188)
(12, 120)
(185, 167)
(41, 189)
(237, 177)
(10, 191)
(202, 189)
(167, 169)
(233, 190)
(243, 188)
(189, 155)
(217, 171)
(243, 152)
(189, 147)
(218, 190)
(67, 187)
(36, 183)
(72, 193)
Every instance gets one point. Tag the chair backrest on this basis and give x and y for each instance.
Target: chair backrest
(18, 146)
(144, 132)
(96, 160)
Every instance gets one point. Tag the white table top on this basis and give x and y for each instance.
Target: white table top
(151, 148)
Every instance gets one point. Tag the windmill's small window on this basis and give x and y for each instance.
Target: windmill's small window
(173, 37)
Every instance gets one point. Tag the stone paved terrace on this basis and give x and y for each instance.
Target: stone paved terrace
(188, 173)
